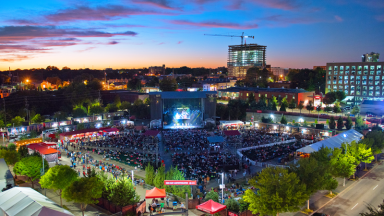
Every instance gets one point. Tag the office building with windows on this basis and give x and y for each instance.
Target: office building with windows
(243, 57)
(359, 80)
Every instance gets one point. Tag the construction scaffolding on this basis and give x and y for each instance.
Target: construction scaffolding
(243, 57)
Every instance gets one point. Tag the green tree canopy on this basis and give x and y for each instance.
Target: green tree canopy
(282, 108)
(243, 205)
(212, 195)
(10, 156)
(38, 119)
(95, 84)
(310, 106)
(300, 106)
(336, 108)
(123, 192)
(340, 123)
(283, 120)
(79, 112)
(292, 104)
(117, 101)
(349, 123)
(95, 109)
(158, 181)
(84, 191)
(332, 123)
(149, 174)
(355, 110)
(125, 105)
(168, 85)
(232, 205)
(17, 121)
(58, 178)
(279, 191)
(30, 167)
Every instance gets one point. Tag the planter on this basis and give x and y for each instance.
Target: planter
(112, 208)
(101, 202)
(106, 204)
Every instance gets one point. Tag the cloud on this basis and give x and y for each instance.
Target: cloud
(108, 12)
(179, 42)
(284, 21)
(339, 19)
(164, 4)
(275, 4)
(86, 49)
(214, 24)
(113, 42)
(380, 18)
(13, 58)
(161, 43)
(23, 22)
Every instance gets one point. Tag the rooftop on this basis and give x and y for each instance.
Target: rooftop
(371, 102)
(283, 90)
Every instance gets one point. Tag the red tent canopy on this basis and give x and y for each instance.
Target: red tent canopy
(211, 207)
(232, 133)
(42, 148)
(52, 135)
(155, 193)
(109, 130)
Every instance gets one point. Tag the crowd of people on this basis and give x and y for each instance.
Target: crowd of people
(185, 140)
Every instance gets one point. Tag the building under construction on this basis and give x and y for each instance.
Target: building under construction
(243, 57)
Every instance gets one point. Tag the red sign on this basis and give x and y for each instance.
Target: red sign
(259, 111)
(180, 182)
(232, 214)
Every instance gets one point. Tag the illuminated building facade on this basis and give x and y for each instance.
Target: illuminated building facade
(243, 57)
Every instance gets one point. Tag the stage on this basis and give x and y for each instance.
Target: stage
(182, 127)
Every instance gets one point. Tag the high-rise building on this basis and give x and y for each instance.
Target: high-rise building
(157, 70)
(371, 57)
(243, 57)
(359, 80)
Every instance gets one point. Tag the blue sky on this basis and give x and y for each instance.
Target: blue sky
(142, 33)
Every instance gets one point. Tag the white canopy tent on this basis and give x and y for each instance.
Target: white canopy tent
(333, 142)
(23, 201)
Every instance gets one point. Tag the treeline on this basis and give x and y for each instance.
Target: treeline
(308, 79)
(286, 189)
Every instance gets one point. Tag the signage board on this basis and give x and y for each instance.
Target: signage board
(180, 182)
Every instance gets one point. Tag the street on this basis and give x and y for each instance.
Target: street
(369, 190)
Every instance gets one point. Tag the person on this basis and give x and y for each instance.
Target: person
(182, 206)
(162, 207)
(167, 200)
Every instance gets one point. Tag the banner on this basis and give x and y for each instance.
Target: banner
(179, 182)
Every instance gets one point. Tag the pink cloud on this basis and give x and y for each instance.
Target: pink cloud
(163, 4)
(161, 43)
(86, 49)
(276, 4)
(112, 42)
(107, 12)
(14, 58)
(179, 42)
(213, 24)
(339, 19)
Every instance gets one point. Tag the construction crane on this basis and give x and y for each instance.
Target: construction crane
(241, 36)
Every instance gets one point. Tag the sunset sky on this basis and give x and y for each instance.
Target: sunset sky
(141, 33)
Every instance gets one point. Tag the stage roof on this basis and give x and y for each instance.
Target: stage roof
(333, 142)
(183, 94)
(215, 139)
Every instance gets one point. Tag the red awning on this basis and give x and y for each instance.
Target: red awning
(42, 148)
(155, 193)
(211, 207)
(52, 135)
(91, 130)
(151, 133)
(232, 133)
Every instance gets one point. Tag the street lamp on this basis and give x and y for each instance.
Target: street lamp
(301, 120)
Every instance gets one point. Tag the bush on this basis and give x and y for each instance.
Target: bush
(232, 205)
(212, 195)
(243, 205)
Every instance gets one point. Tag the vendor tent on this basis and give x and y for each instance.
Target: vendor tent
(51, 154)
(333, 142)
(23, 201)
(211, 207)
(215, 139)
(155, 193)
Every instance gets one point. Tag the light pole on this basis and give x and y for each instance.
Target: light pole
(133, 182)
(222, 187)
(346, 149)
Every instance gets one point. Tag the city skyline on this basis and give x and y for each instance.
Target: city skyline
(143, 33)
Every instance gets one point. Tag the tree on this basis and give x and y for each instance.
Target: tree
(343, 165)
(147, 101)
(365, 155)
(355, 110)
(58, 178)
(373, 211)
(232, 205)
(336, 108)
(10, 156)
(282, 108)
(329, 98)
(315, 175)
(310, 107)
(123, 192)
(125, 105)
(30, 167)
(318, 109)
(274, 100)
(349, 123)
(375, 141)
(84, 191)
(134, 84)
(212, 195)
(243, 205)
(327, 109)
(273, 107)
(111, 107)
(149, 174)
(11, 147)
(283, 120)
(158, 181)
(95, 109)
(38, 119)
(251, 98)
(301, 106)
(17, 121)
(359, 122)
(79, 112)
(80, 126)
(54, 80)
(95, 84)
(340, 123)
(292, 104)
(284, 101)
(168, 85)
(117, 101)
(279, 191)
(332, 123)
(340, 95)
(23, 151)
